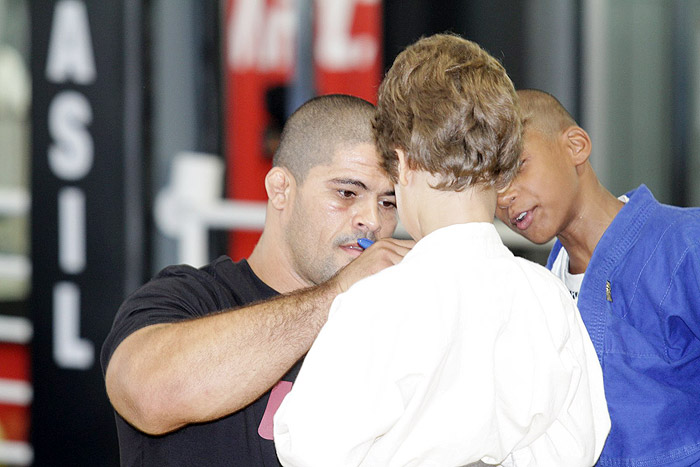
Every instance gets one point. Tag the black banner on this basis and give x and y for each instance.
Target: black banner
(86, 215)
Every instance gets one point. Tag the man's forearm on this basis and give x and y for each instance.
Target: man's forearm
(165, 376)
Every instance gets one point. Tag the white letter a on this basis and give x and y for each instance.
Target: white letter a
(70, 53)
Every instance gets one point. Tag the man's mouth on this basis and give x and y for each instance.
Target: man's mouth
(352, 248)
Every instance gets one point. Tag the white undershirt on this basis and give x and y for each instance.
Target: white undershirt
(560, 268)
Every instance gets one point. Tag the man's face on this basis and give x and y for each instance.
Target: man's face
(538, 204)
(335, 205)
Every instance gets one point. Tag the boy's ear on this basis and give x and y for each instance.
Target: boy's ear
(278, 184)
(404, 171)
(579, 144)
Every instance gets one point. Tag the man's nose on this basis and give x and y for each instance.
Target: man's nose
(367, 217)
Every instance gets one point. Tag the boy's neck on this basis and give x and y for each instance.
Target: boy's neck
(437, 209)
(595, 209)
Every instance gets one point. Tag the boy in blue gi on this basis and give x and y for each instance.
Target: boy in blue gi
(640, 295)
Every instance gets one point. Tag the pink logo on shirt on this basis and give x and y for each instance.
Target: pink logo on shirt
(281, 389)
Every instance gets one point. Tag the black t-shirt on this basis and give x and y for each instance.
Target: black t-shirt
(178, 293)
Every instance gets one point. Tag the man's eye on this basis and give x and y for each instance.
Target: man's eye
(387, 204)
(346, 193)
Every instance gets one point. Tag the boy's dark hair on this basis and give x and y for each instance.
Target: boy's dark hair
(543, 111)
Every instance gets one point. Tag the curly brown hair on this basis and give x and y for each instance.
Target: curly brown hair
(451, 107)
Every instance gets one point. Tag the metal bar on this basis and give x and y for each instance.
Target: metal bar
(595, 88)
(681, 73)
(250, 215)
(134, 229)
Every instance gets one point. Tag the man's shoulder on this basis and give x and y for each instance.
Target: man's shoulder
(222, 276)
(181, 292)
(180, 279)
(208, 270)
(215, 271)
(225, 269)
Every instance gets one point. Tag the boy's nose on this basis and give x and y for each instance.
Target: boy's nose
(506, 198)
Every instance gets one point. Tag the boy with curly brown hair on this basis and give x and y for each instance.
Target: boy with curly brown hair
(462, 353)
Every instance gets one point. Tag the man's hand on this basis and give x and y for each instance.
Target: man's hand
(382, 254)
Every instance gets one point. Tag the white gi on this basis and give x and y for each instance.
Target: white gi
(461, 352)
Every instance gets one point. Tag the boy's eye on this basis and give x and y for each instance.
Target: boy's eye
(387, 204)
(346, 193)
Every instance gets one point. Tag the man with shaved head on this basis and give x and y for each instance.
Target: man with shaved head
(633, 265)
(198, 360)
(318, 128)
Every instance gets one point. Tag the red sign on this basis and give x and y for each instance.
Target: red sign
(347, 47)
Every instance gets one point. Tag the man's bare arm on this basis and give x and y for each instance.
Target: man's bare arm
(165, 376)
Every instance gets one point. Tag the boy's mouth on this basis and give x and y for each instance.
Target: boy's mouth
(523, 220)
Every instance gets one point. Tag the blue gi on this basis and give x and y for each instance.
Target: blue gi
(640, 301)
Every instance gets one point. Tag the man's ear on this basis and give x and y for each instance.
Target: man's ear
(578, 143)
(404, 171)
(279, 184)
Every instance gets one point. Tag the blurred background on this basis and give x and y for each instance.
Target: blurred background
(136, 134)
